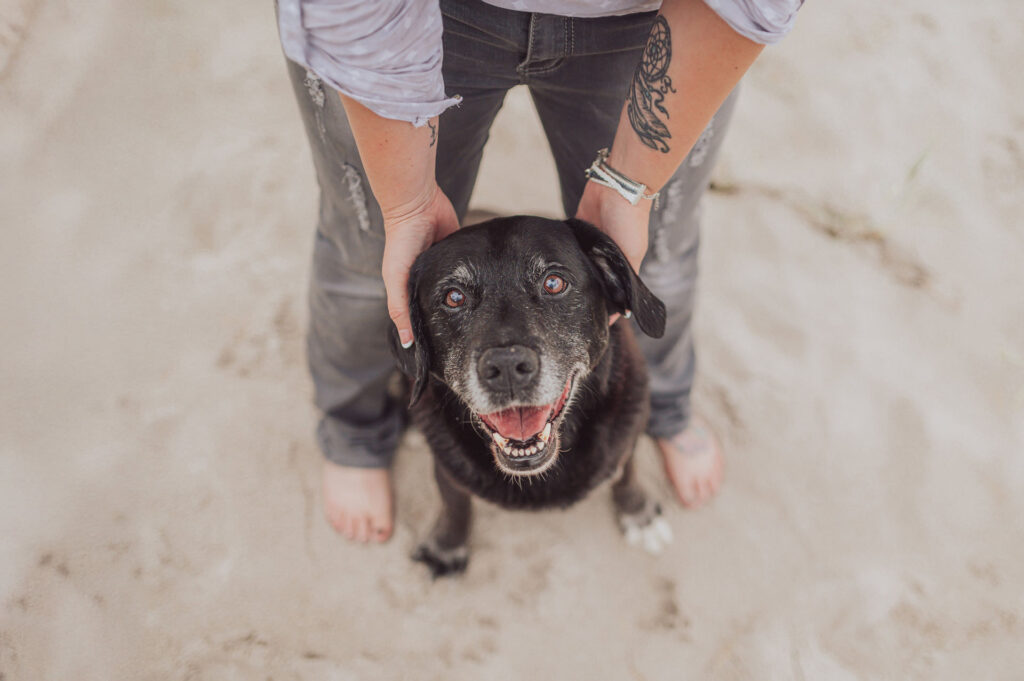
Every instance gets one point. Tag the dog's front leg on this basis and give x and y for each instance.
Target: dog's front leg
(639, 516)
(445, 551)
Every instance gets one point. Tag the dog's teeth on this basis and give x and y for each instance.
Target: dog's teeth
(545, 434)
(499, 440)
(540, 445)
(508, 450)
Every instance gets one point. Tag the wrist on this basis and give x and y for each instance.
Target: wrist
(399, 208)
(608, 198)
(603, 174)
(632, 166)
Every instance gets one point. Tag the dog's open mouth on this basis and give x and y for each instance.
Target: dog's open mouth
(525, 439)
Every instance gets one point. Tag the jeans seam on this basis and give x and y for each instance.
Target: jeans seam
(523, 69)
(543, 72)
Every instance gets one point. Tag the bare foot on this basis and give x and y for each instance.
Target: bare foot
(357, 501)
(693, 462)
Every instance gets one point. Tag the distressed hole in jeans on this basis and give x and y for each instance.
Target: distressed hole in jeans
(659, 247)
(702, 145)
(673, 199)
(315, 88)
(354, 184)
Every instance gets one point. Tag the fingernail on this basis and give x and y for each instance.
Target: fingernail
(627, 314)
(405, 337)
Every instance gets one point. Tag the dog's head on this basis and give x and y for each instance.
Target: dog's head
(511, 315)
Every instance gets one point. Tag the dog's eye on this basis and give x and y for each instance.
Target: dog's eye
(454, 298)
(554, 284)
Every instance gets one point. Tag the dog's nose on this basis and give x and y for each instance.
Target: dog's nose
(508, 368)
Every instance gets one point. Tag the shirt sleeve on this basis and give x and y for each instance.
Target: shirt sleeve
(763, 21)
(385, 54)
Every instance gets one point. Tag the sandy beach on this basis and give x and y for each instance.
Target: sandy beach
(861, 344)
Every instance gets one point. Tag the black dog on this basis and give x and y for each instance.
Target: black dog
(526, 396)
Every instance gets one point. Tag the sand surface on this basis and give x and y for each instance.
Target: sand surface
(861, 335)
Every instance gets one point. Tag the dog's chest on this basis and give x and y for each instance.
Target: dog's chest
(593, 445)
(582, 465)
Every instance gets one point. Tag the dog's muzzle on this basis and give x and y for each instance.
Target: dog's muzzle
(525, 438)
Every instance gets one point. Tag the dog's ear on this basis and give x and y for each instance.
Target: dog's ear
(623, 288)
(414, 362)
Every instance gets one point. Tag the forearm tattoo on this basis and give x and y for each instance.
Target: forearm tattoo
(651, 83)
(433, 132)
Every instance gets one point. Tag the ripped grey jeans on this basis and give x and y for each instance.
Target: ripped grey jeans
(578, 72)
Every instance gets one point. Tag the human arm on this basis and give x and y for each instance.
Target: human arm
(399, 163)
(384, 60)
(692, 61)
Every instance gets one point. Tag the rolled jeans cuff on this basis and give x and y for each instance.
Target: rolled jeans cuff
(358, 446)
(669, 416)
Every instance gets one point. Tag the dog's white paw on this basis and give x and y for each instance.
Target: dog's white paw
(442, 562)
(647, 530)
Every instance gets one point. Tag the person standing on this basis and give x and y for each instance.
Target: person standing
(397, 98)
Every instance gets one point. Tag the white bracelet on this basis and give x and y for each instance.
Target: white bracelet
(603, 174)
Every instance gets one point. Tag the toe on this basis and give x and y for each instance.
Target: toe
(707, 490)
(351, 528)
(700, 498)
(715, 481)
(689, 494)
(371, 531)
(363, 529)
(338, 521)
(381, 533)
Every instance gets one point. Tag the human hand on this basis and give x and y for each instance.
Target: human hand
(626, 224)
(408, 231)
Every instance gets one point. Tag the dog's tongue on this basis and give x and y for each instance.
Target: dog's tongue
(519, 423)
